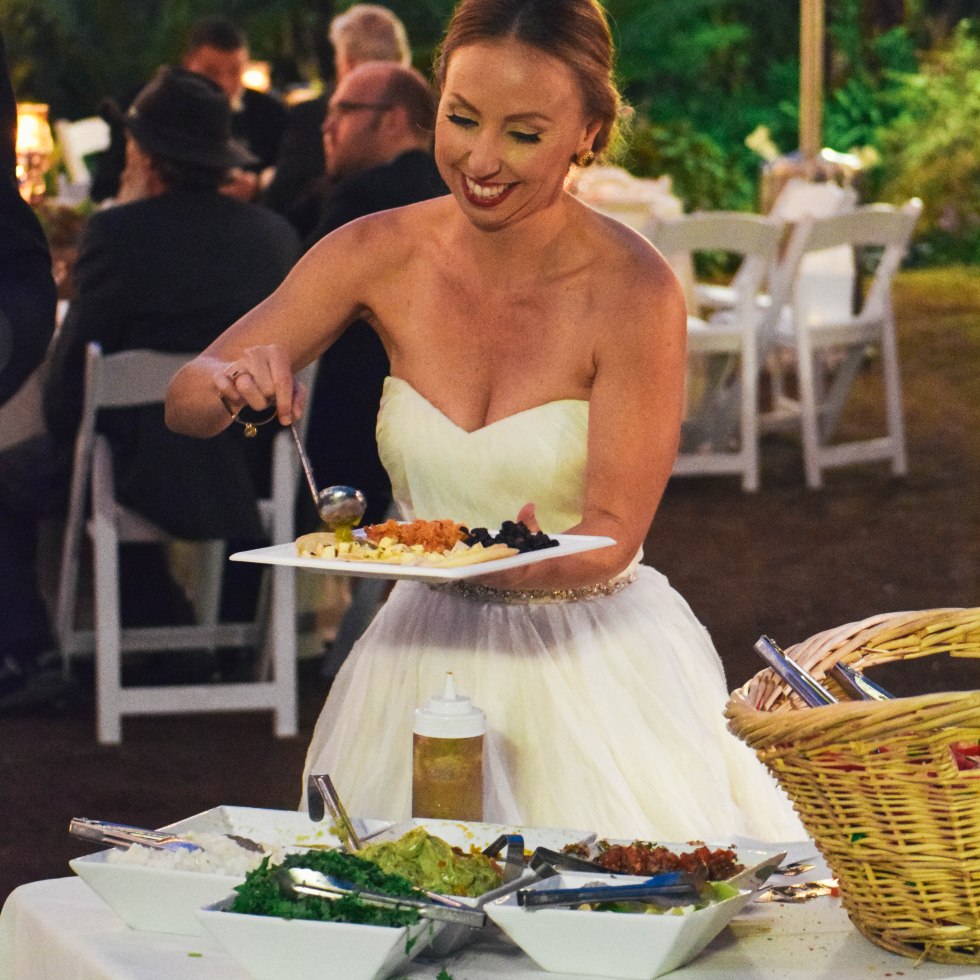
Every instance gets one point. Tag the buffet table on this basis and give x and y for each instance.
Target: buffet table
(60, 928)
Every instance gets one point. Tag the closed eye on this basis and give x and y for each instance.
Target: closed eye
(526, 137)
(463, 121)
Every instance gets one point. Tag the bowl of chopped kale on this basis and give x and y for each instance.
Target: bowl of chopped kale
(273, 933)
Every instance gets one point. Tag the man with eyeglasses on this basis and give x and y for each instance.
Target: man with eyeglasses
(362, 33)
(377, 137)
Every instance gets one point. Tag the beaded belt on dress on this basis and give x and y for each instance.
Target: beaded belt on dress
(483, 593)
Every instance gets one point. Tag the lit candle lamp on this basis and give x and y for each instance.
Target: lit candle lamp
(35, 148)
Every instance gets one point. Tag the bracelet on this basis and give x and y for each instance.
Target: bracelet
(251, 426)
(228, 408)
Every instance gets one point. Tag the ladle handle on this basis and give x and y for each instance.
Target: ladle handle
(307, 469)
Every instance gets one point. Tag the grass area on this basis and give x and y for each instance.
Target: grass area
(792, 562)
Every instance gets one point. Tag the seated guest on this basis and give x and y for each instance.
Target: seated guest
(167, 269)
(378, 138)
(217, 49)
(27, 310)
(27, 289)
(362, 33)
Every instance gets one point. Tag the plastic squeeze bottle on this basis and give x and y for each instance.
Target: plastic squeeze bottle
(447, 757)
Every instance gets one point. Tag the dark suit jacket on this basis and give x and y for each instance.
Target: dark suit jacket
(344, 407)
(27, 289)
(300, 183)
(170, 273)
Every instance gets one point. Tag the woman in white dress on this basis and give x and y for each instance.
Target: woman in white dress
(537, 356)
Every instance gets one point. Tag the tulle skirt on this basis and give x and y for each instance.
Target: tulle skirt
(603, 714)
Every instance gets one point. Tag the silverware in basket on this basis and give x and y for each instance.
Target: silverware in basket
(807, 686)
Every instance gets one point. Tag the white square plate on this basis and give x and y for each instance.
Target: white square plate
(285, 554)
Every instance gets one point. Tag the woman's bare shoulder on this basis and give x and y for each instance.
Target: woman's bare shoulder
(386, 236)
(635, 272)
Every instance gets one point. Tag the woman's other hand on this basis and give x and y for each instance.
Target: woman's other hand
(527, 516)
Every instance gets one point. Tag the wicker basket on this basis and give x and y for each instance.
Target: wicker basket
(880, 786)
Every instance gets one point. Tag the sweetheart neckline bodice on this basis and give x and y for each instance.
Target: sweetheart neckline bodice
(487, 425)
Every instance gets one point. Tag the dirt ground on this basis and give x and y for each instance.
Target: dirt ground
(784, 561)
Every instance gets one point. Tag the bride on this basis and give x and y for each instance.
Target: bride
(537, 355)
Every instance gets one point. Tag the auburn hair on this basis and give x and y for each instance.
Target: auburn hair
(575, 32)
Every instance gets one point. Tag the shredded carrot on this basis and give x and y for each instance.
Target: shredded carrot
(432, 535)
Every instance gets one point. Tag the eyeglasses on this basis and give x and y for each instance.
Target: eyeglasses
(342, 107)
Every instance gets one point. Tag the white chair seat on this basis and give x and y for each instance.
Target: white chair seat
(139, 378)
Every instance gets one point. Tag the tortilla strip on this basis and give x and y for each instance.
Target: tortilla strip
(473, 555)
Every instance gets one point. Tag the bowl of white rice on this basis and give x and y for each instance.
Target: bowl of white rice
(155, 890)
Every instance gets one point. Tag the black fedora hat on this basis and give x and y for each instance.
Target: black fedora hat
(182, 116)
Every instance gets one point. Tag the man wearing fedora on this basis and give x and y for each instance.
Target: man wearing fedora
(218, 49)
(169, 268)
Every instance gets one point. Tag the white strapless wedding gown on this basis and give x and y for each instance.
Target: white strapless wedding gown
(604, 714)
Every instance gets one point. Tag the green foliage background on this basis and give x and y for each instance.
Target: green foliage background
(901, 77)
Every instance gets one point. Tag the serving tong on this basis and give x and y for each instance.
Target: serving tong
(322, 797)
(514, 865)
(668, 890)
(306, 882)
(124, 835)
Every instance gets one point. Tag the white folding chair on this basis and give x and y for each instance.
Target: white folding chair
(78, 141)
(140, 377)
(733, 342)
(829, 349)
(800, 199)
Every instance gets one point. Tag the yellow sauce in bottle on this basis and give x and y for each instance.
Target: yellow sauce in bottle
(447, 757)
(447, 777)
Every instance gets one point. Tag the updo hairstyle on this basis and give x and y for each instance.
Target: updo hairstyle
(575, 32)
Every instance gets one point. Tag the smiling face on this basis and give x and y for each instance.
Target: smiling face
(510, 122)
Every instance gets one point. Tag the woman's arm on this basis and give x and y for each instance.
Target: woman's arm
(254, 361)
(635, 411)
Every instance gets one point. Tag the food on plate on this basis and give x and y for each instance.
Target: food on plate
(323, 544)
(438, 536)
(436, 544)
(215, 854)
(515, 534)
(434, 865)
(261, 894)
(646, 858)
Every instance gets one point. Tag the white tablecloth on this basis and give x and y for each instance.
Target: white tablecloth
(61, 929)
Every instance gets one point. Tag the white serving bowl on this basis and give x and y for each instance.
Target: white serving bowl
(162, 899)
(270, 948)
(636, 946)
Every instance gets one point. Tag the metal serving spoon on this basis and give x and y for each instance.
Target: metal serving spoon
(338, 505)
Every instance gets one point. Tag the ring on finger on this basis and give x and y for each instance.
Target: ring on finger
(235, 372)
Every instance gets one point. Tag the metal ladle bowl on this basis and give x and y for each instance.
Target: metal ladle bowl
(337, 505)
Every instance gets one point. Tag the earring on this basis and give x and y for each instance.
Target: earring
(585, 159)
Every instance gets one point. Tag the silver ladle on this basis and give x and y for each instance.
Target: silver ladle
(336, 505)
